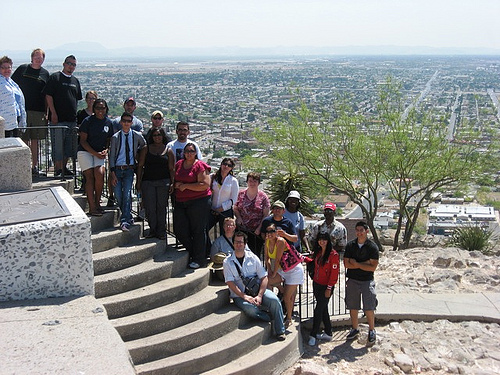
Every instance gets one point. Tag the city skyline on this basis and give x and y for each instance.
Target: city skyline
(254, 24)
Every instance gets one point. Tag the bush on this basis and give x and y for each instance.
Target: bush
(472, 238)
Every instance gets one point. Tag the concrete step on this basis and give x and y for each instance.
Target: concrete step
(173, 315)
(108, 220)
(211, 355)
(47, 182)
(271, 358)
(165, 265)
(119, 258)
(157, 294)
(81, 200)
(113, 237)
(186, 337)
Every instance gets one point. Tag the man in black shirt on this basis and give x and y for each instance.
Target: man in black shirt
(32, 79)
(361, 260)
(62, 93)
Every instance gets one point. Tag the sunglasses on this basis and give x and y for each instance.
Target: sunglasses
(228, 165)
(271, 231)
(189, 151)
(157, 118)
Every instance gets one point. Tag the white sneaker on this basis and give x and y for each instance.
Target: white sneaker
(324, 336)
(125, 227)
(312, 341)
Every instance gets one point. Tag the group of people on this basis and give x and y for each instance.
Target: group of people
(260, 243)
(258, 240)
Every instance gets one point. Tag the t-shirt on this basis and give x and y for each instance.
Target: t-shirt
(32, 82)
(98, 132)
(368, 251)
(252, 210)
(66, 93)
(178, 149)
(189, 176)
(284, 224)
(297, 220)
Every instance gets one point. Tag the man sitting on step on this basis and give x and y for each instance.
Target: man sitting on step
(265, 305)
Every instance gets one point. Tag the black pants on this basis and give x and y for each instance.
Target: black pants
(321, 310)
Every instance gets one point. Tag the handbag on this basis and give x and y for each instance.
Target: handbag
(290, 258)
(252, 284)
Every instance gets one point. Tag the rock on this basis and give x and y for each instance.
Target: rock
(312, 368)
(442, 262)
(404, 362)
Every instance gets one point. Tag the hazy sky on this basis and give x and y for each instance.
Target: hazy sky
(251, 23)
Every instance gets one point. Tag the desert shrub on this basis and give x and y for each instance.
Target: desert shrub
(472, 238)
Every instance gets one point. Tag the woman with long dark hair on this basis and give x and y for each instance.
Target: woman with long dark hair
(274, 249)
(225, 190)
(326, 273)
(153, 180)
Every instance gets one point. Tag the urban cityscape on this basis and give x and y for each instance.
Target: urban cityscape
(225, 100)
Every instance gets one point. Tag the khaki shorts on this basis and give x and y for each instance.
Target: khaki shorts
(35, 118)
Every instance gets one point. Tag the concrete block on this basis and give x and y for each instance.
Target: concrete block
(15, 165)
(45, 246)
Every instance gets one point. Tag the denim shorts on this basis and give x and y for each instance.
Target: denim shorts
(89, 161)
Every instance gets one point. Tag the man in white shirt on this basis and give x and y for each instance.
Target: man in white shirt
(241, 264)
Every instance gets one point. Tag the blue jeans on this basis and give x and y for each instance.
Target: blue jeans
(270, 302)
(122, 190)
(190, 223)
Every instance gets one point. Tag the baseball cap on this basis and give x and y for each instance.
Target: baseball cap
(330, 206)
(156, 113)
(279, 204)
(129, 99)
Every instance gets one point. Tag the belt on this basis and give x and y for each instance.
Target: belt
(124, 167)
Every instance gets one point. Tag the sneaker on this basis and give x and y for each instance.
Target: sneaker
(280, 337)
(111, 202)
(324, 336)
(353, 333)
(312, 341)
(372, 336)
(194, 265)
(125, 227)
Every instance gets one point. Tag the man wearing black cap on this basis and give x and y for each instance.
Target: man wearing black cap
(334, 228)
(129, 106)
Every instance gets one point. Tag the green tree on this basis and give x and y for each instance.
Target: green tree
(356, 155)
(421, 158)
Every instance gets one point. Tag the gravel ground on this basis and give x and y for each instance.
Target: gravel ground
(439, 347)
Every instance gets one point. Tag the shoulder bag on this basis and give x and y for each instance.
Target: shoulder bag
(252, 284)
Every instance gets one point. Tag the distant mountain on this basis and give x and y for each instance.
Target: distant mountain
(95, 51)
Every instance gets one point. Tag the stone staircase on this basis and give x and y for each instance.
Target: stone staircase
(174, 320)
